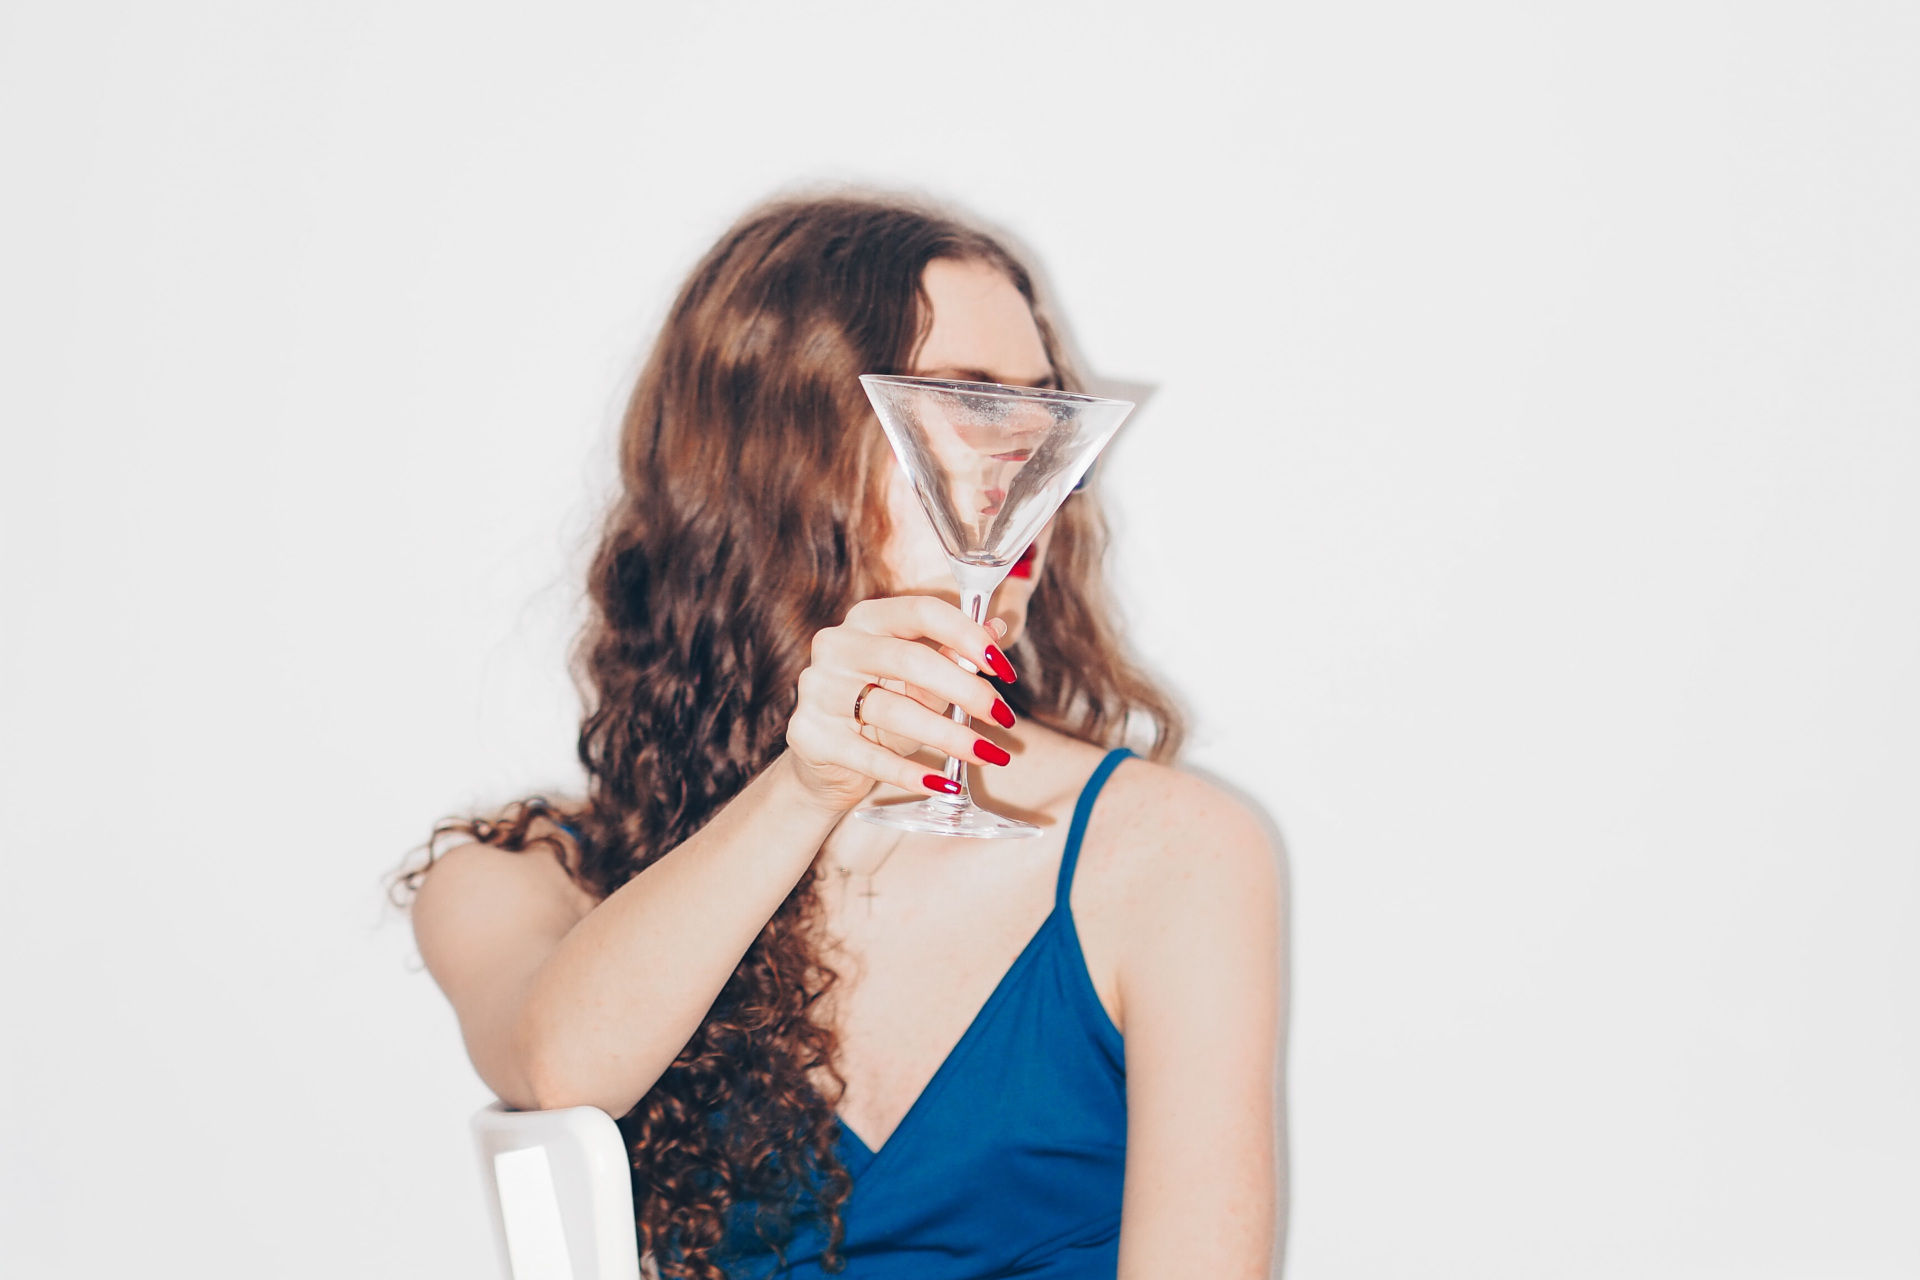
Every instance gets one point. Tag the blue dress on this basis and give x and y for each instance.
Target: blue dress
(1010, 1161)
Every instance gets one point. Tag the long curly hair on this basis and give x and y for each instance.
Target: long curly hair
(753, 481)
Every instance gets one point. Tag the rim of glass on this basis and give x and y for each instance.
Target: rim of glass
(999, 389)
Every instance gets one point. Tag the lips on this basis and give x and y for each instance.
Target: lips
(1023, 567)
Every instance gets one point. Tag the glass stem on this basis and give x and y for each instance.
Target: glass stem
(974, 605)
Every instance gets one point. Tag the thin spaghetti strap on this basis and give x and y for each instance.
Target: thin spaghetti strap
(1081, 812)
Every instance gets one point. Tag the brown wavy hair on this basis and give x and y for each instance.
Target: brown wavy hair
(753, 482)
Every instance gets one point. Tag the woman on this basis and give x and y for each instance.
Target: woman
(835, 1045)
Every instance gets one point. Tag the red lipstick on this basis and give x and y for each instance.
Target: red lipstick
(1023, 567)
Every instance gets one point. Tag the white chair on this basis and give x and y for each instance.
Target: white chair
(559, 1193)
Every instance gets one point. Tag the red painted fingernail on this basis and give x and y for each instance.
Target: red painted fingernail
(939, 783)
(1001, 667)
(988, 752)
(1002, 714)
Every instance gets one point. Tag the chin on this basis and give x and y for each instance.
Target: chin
(1014, 613)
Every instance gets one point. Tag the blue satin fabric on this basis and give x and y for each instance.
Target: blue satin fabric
(1010, 1162)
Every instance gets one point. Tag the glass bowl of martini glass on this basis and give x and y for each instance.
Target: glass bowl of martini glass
(990, 465)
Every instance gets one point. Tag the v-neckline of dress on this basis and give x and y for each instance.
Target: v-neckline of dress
(868, 1157)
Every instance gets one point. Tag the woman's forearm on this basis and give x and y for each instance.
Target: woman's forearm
(628, 986)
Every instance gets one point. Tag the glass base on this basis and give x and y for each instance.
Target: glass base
(947, 818)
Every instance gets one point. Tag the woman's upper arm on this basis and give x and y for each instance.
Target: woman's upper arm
(485, 920)
(1202, 995)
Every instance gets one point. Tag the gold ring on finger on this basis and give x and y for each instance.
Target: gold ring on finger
(861, 701)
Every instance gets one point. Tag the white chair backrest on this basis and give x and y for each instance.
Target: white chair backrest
(560, 1194)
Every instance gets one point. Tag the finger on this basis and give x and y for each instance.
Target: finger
(923, 617)
(883, 765)
(960, 660)
(916, 664)
(821, 739)
(898, 714)
(925, 697)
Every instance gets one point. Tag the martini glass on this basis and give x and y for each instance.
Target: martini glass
(991, 465)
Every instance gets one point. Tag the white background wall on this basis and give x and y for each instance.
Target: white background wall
(1530, 513)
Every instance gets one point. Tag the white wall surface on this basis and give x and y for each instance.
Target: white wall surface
(1529, 511)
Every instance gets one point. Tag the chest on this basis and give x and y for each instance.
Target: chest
(919, 950)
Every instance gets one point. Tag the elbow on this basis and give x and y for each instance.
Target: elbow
(553, 1078)
(545, 1086)
(551, 1088)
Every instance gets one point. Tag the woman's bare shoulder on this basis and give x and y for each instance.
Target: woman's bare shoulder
(1156, 801)
(1159, 829)
(474, 893)
(1178, 883)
